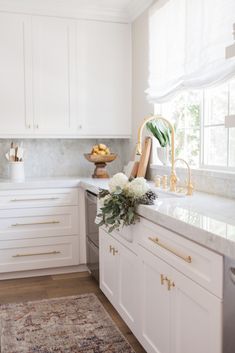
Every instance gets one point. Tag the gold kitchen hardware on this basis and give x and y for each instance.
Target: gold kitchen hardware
(173, 177)
(187, 259)
(38, 254)
(112, 250)
(115, 251)
(35, 223)
(170, 284)
(164, 182)
(38, 199)
(163, 279)
(189, 185)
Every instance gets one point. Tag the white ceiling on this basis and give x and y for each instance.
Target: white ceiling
(117, 10)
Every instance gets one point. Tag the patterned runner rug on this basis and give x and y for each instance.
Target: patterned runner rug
(77, 324)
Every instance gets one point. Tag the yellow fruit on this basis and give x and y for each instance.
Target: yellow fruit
(102, 147)
(107, 151)
(95, 148)
(102, 153)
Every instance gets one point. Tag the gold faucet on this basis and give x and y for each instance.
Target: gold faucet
(173, 177)
(190, 186)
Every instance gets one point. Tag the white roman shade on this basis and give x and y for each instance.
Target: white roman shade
(187, 45)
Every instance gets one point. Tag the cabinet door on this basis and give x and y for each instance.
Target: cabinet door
(196, 318)
(109, 259)
(15, 64)
(129, 288)
(155, 304)
(104, 79)
(53, 74)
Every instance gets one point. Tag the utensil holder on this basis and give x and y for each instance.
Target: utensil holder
(16, 171)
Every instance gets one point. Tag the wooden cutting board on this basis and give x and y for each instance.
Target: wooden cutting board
(144, 159)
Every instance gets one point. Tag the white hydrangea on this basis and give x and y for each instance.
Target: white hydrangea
(137, 187)
(118, 180)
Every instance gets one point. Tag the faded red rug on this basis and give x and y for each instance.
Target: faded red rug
(77, 324)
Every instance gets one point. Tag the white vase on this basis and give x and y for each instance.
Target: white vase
(163, 155)
(16, 171)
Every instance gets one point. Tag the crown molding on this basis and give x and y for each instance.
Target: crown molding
(137, 7)
(127, 15)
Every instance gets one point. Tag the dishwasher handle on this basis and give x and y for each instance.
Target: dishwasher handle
(91, 197)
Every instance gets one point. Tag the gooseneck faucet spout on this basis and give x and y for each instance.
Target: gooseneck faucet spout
(173, 177)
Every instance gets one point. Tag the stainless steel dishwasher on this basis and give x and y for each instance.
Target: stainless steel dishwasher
(92, 235)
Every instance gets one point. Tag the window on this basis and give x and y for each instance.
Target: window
(201, 136)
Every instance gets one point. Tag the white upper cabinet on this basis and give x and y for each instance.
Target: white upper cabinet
(53, 55)
(104, 79)
(15, 66)
(64, 78)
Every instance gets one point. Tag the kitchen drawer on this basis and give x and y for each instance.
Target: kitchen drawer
(38, 222)
(22, 255)
(198, 263)
(10, 199)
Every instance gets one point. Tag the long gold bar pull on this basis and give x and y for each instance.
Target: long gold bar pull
(176, 253)
(38, 199)
(34, 223)
(38, 254)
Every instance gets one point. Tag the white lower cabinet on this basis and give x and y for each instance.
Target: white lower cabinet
(108, 266)
(39, 230)
(154, 305)
(119, 278)
(178, 315)
(167, 311)
(196, 318)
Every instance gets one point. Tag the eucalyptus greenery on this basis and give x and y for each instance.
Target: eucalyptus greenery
(119, 208)
(160, 131)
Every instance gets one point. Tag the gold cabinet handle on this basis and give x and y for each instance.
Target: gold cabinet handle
(35, 223)
(188, 259)
(38, 254)
(113, 250)
(38, 199)
(163, 279)
(170, 284)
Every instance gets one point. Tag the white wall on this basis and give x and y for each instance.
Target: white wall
(140, 52)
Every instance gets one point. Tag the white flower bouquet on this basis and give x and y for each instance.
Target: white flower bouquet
(118, 204)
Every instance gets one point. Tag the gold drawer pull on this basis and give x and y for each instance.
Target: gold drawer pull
(39, 199)
(185, 258)
(35, 223)
(38, 254)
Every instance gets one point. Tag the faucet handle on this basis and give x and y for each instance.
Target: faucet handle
(190, 188)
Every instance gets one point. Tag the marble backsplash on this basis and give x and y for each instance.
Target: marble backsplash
(62, 157)
(211, 182)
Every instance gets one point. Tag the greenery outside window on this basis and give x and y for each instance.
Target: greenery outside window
(201, 136)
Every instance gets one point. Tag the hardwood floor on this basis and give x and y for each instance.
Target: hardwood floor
(27, 289)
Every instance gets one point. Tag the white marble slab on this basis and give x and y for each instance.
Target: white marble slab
(206, 219)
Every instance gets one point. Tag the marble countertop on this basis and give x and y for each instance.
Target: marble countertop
(206, 219)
